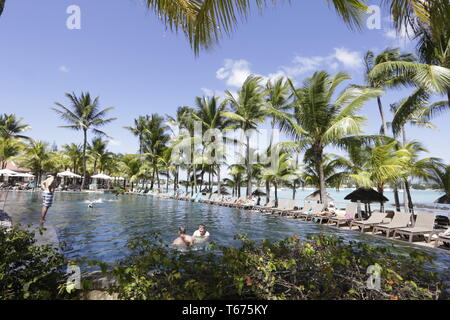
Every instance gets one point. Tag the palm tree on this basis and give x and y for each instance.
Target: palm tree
(247, 111)
(97, 150)
(277, 96)
(84, 114)
(11, 127)
(155, 140)
(441, 175)
(37, 157)
(321, 120)
(205, 22)
(382, 165)
(138, 130)
(9, 149)
(2, 5)
(210, 113)
(386, 80)
(74, 153)
(131, 166)
(280, 172)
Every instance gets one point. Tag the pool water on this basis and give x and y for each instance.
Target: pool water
(102, 232)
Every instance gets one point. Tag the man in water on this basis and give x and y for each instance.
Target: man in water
(183, 239)
(201, 233)
(49, 185)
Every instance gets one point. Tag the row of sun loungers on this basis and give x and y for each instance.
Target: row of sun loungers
(400, 225)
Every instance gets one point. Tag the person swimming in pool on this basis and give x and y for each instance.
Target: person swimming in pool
(201, 233)
(183, 239)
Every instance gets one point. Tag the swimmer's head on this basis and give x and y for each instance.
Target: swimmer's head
(202, 229)
(181, 230)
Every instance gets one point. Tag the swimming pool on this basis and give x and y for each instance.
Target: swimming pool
(101, 233)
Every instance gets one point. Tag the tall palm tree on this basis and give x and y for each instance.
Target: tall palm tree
(320, 119)
(247, 111)
(138, 130)
(210, 113)
(204, 22)
(11, 127)
(277, 96)
(84, 114)
(385, 80)
(155, 140)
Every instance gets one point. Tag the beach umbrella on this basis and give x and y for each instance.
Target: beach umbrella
(102, 176)
(223, 191)
(315, 196)
(258, 192)
(24, 175)
(7, 172)
(445, 199)
(366, 196)
(68, 174)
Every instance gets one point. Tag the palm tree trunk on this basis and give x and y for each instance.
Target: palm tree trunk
(383, 120)
(276, 194)
(249, 169)
(267, 192)
(218, 177)
(83, 183)
(195, 179)
(319, 164)
(397, 199)
(408, 193)
(293, 190)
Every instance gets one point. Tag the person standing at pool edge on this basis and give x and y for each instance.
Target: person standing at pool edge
(48, 186)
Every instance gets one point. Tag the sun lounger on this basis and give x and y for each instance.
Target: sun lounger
(424, 225)
(315, 210)
(350, 214)
(289, 207)
(281, 205)
(267, 206)
(375, 219)
(400, 220)
(444, 237)
(305, 209)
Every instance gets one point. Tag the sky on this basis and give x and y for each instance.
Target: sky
(124, 55)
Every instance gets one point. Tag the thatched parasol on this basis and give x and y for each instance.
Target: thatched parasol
(258, 192)
(206, 190)
(315, 196)
(223, 191)
(445, 199)
(366, 196)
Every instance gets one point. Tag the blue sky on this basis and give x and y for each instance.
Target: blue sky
(124, 55)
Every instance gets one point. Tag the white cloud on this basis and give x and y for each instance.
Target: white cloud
(350, 59)
(234, 72)
(64, 69)
(114, 143)
(401, 38)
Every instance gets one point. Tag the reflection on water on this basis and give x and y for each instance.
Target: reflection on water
(101, 232)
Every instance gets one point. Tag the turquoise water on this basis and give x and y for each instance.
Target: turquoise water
(102, 232)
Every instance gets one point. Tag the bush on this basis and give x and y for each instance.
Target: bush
(323, 267)
(28, 271)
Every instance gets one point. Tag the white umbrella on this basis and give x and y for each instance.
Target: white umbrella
(24, 175)
(102, 176)
(68, 174)
(7, 172)
(119, 178)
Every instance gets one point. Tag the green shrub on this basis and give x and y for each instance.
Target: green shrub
(28, 271)
(321, 268)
